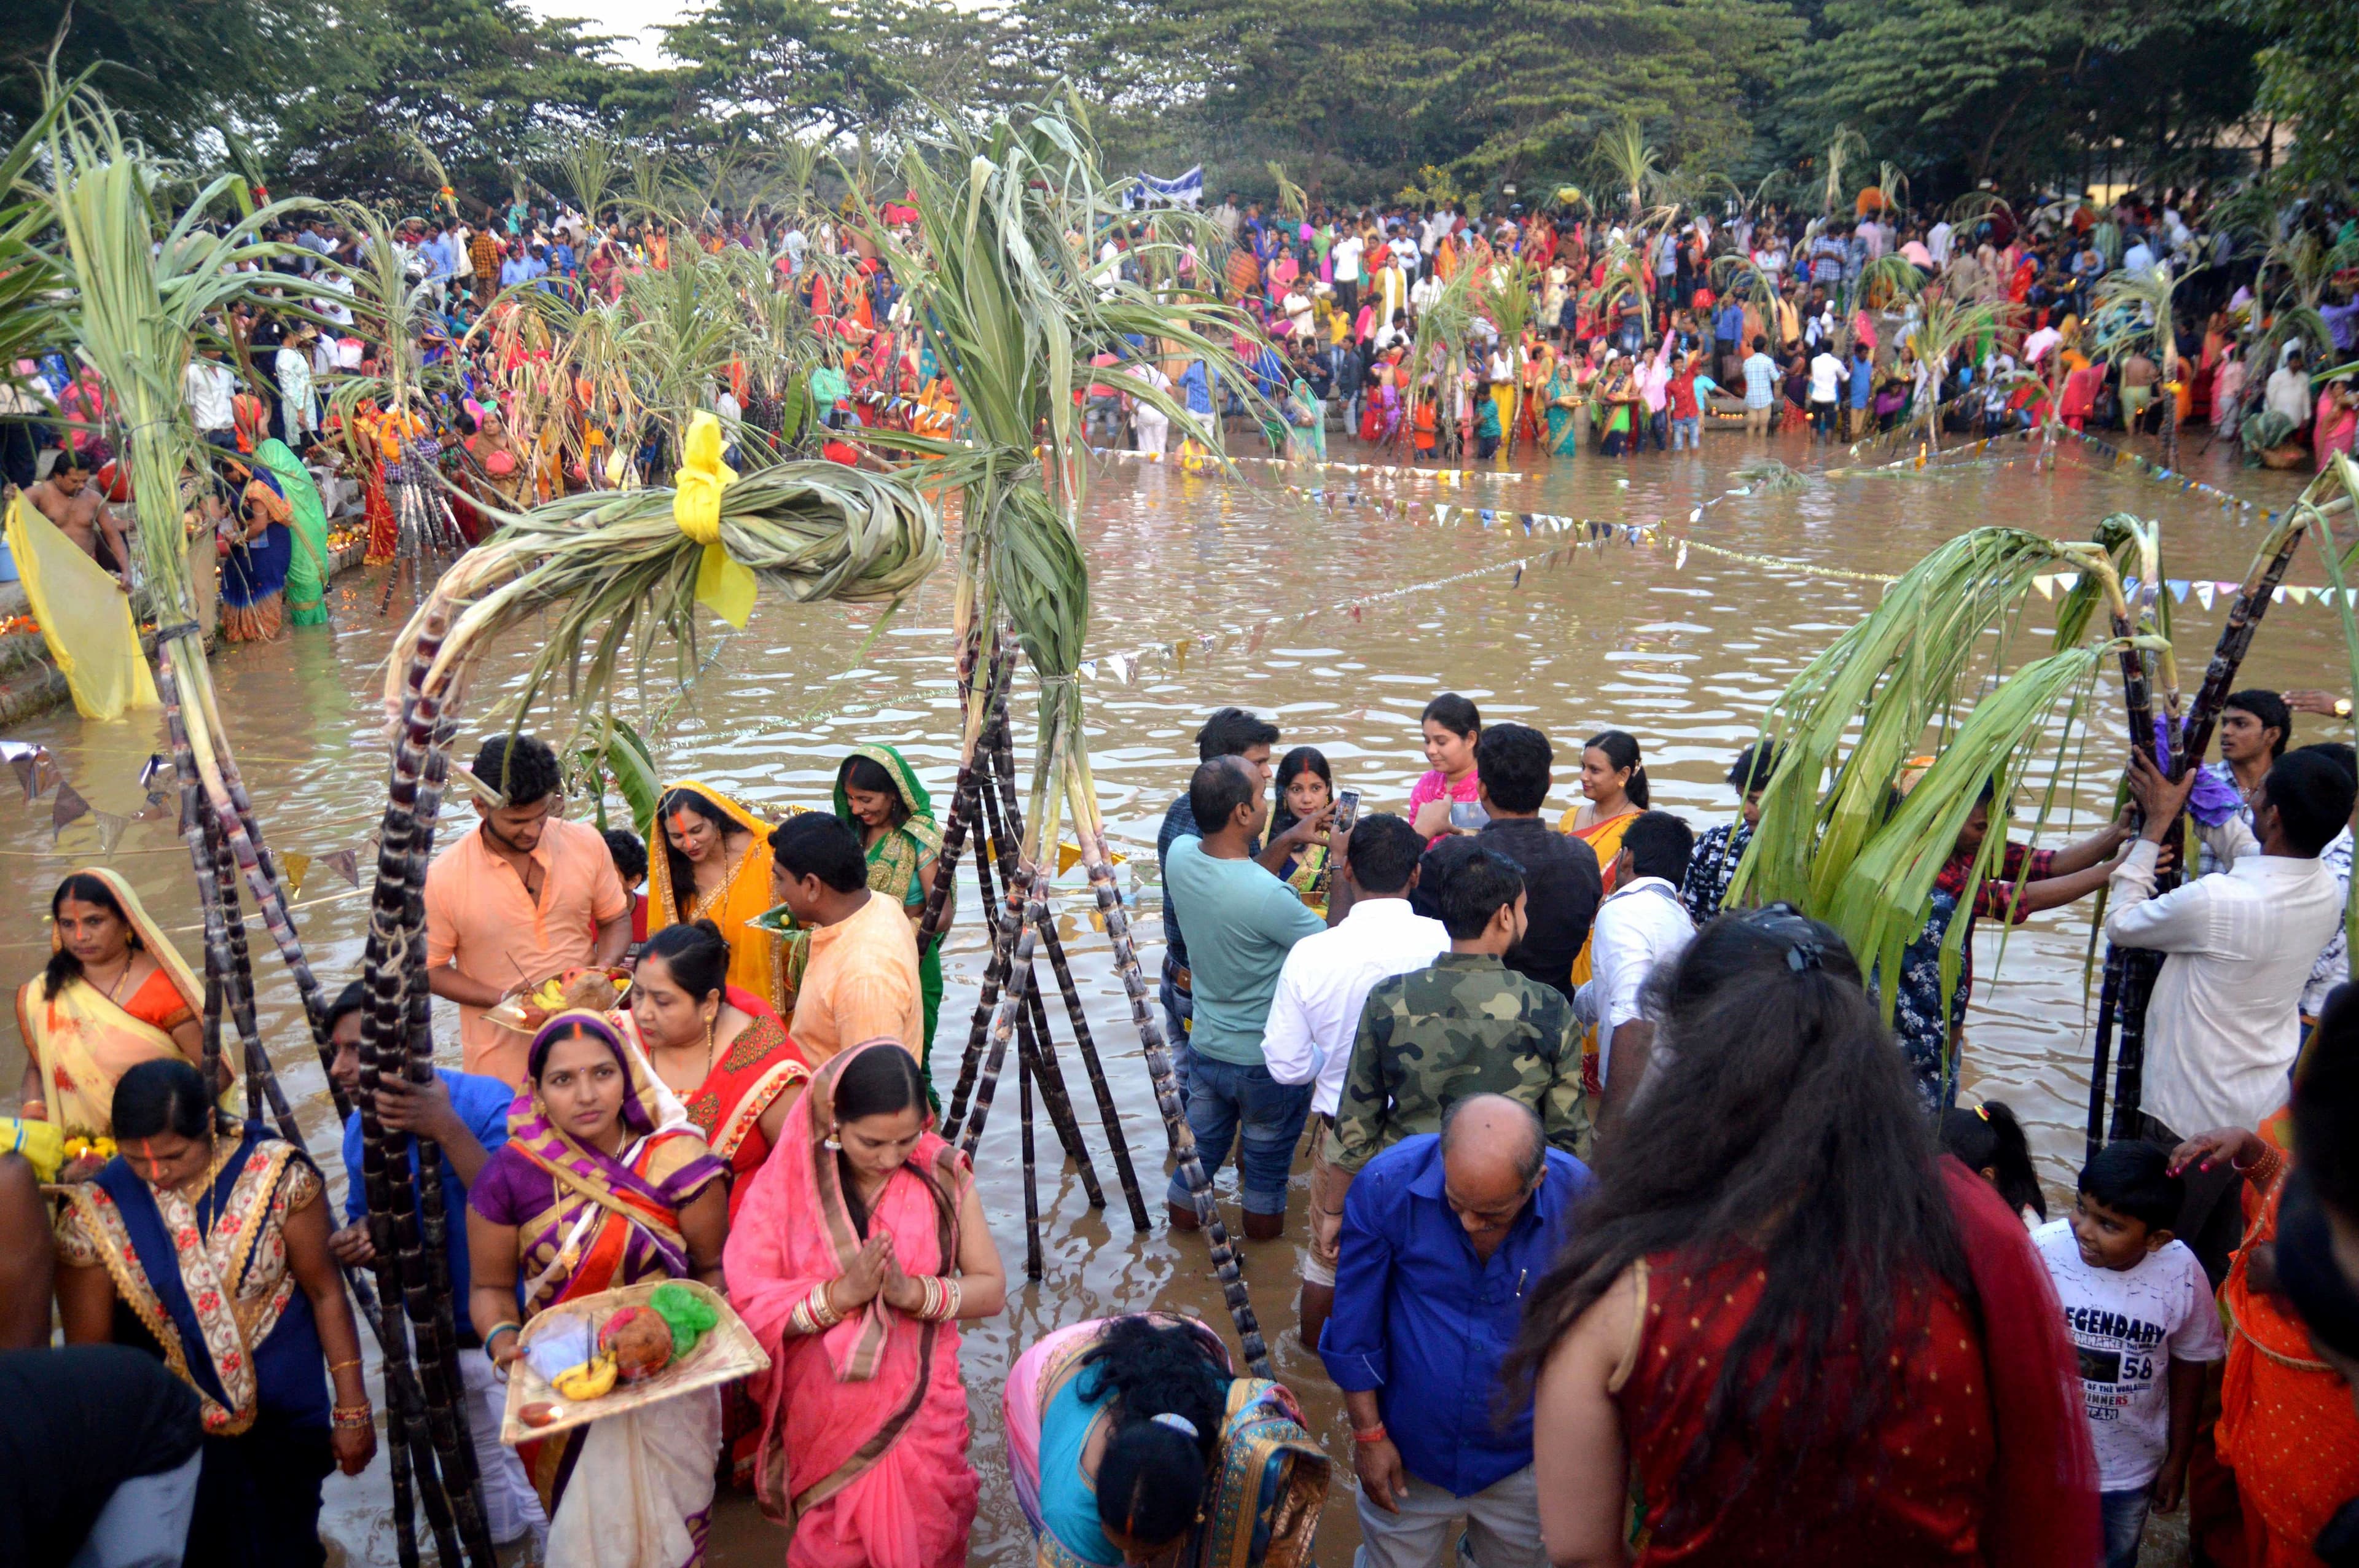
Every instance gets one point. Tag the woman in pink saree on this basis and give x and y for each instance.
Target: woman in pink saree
(860, 1248)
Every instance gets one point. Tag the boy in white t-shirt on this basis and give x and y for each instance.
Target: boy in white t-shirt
(2138, 1308)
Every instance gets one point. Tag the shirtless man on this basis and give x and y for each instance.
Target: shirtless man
(81, 512)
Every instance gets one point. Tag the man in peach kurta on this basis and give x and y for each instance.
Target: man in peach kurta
(525, 896)
(861, 982)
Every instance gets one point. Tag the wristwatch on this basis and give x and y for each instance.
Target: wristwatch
(2342, 707)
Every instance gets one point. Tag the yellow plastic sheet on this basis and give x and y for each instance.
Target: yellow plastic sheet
(84, 617)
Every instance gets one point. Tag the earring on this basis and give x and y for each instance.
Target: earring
(831, 1144)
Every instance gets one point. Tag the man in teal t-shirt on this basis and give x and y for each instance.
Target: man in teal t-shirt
(1240, 922)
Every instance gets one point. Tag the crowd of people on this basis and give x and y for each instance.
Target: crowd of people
(1644, 1224)
(1440, 332)
(1621, 1193)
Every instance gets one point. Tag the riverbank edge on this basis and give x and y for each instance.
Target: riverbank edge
(34, 685)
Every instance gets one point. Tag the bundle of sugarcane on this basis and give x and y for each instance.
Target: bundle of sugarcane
(1012, 307)
(1829, 840)
(141, 287)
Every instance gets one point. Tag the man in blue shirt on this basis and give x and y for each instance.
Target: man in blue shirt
(1727, 335)
(466, 1116)
(1860, 390)
(1442, 1237)
(1229, 733)
(1246, 922)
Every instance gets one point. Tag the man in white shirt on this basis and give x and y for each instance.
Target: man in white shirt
(1760, 387)
(2223, 1022)
(1938, 242)
(1345, 254)
(1826, 374)
(291, 368)
(209, 385)
(1315, 1014)
(1641, 924)
(1406, 253)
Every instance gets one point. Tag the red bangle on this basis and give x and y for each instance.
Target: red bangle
(1374, 1434)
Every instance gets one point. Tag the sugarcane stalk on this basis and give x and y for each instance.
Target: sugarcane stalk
(1032, 1269)
(1100, 867)
(2139, 967)
(262, 879)
(262, 1086)
(994, 974)
(384, 1051)
(2116, 959)
(1108, 1116)
(1011, 1003)
(1032, 1028)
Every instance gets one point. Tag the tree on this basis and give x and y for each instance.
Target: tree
(2020, 90)
(175, 69)
(2309, 74)
(483, 82)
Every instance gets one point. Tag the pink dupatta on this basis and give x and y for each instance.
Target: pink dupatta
(864, 1441)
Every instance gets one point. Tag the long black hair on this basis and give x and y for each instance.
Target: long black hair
(1153, 1475)
(683, 872)
(1621, 749)
(1784, 1130)
(1302, 759)
(1988, 1137)
(165, 1095)
(81, 887)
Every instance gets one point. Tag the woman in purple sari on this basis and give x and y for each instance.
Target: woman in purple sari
(603, 1182)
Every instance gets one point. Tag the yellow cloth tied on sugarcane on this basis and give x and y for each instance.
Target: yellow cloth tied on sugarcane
(84, 617)
(42, 1143)
(724, 585)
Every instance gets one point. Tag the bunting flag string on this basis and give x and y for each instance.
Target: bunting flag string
(1390, 470)
(36, 770)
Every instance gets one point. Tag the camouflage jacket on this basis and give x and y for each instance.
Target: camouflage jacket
(1466, 1026)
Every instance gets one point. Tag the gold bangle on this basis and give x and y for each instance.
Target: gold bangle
(336, 1366)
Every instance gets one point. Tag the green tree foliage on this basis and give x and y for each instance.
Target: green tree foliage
(2017, 90)
(174, 67)
(2309, 74)
(484, 82)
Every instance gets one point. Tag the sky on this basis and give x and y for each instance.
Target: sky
(632, 23)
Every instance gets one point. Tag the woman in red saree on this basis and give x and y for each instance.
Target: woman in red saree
(1799, 1336)
(603, 1182)
(859, 1250)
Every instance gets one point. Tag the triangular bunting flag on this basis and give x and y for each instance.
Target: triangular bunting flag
(67, 809)
(1440, 513)
(2278, 594)
(345, 863)
(158, 809)
(23, 766)
(2068, 582)
(2178, 588)
(110, 830)
(1697, 515)
(2044, 585)
(2299, 595)
(292, 864)
(1679, 562)
(45, 772)
(2203, 591)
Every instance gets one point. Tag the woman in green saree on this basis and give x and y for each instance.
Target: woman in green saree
(878, 791)
(1562, 396)
(307, 573)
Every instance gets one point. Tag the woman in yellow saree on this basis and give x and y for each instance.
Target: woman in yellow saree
(1614, 780)
(114, 994)
(714, 865)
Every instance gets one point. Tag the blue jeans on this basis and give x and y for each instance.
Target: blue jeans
(1687, 432)
(1226, 1099)
(2124, 1521)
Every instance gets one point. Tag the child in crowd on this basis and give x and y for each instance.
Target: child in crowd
(2138, 1308)
(629, 854)
(1989, 1139)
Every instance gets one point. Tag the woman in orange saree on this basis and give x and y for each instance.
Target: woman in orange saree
(2288, 1433)
(859, 1250)
(1614, 780)
(603, 1182)
(114, 994)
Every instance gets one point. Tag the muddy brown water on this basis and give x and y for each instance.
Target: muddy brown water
(1686, 656)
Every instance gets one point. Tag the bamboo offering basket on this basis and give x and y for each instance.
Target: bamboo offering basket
(723, 1353)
